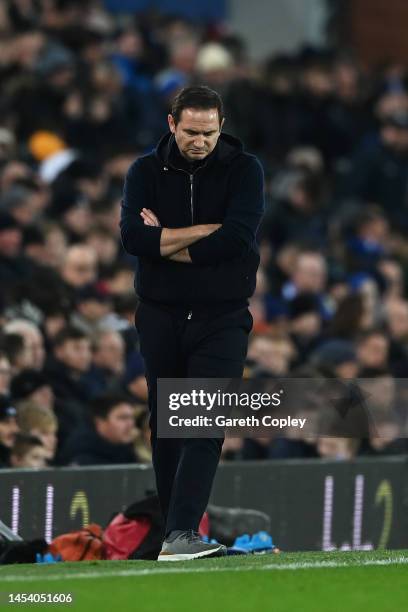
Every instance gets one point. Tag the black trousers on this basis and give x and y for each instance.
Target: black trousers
(175, 346)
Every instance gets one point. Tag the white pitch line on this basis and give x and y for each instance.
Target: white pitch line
(201, 570)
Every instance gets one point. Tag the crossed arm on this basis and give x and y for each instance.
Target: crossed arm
(174, 243)
(205, 244)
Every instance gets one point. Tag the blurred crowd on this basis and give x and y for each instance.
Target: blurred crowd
(83, 93)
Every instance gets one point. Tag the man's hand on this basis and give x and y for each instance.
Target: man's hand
(149, 218)
(174, 242)
(182, 256)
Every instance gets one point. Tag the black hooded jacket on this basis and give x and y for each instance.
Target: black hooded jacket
(226, 188)
(86, 447)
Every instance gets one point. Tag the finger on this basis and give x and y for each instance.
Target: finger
(151, 215)
(146, 220)
(147, 217)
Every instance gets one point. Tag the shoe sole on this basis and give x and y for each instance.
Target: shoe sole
(190, 556)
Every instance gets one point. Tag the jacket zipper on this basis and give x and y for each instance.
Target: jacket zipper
(191, 199)
(191, 176)
(190, 314)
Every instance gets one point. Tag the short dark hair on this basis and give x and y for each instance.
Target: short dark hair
(102, 405)
(199, 97)
(69, 333)
(365, 334)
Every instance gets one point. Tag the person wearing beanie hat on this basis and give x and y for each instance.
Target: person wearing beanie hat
(336, 357)
(19, 202)
(214, 62)
(43, 144)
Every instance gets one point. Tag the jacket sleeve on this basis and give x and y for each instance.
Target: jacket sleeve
(243, 215)
(137, 238)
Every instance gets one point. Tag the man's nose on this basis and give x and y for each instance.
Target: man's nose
(199, 143)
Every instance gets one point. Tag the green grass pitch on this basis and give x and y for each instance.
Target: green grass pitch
(375, 581)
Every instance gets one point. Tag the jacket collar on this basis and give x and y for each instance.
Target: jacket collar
(228, 147)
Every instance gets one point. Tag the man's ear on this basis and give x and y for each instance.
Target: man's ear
(172, 124)
(222, 124)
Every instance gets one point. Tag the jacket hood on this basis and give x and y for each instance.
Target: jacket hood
(227, 148)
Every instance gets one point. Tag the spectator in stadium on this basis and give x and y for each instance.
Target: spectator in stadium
(348, 117)
(93, 307)
(40, 421)
(56, 315)
(118, 279)
(305, 324)
(34, 351)
(65, 371)
(79, 267)
(105, 245)
(20, 202)
(380, 388)
(34, 387)
(340, 449)
(83, 94)
(108, 363)
(387, 436)
(316, 87)
(8, 429)
(269, 356)
(134, 379)
(373, 351)
(348, 319)
(106, 214)
(295, 215)
(34, 246)
(336, 358)
(371, 179)
(28, 452)
(72, 210)
(110, 438)
(367, 243)
(309, 275)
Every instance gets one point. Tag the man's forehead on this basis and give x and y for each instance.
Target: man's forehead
(197, 118)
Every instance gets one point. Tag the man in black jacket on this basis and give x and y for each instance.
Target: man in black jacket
(109, 439)
(190, 213)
